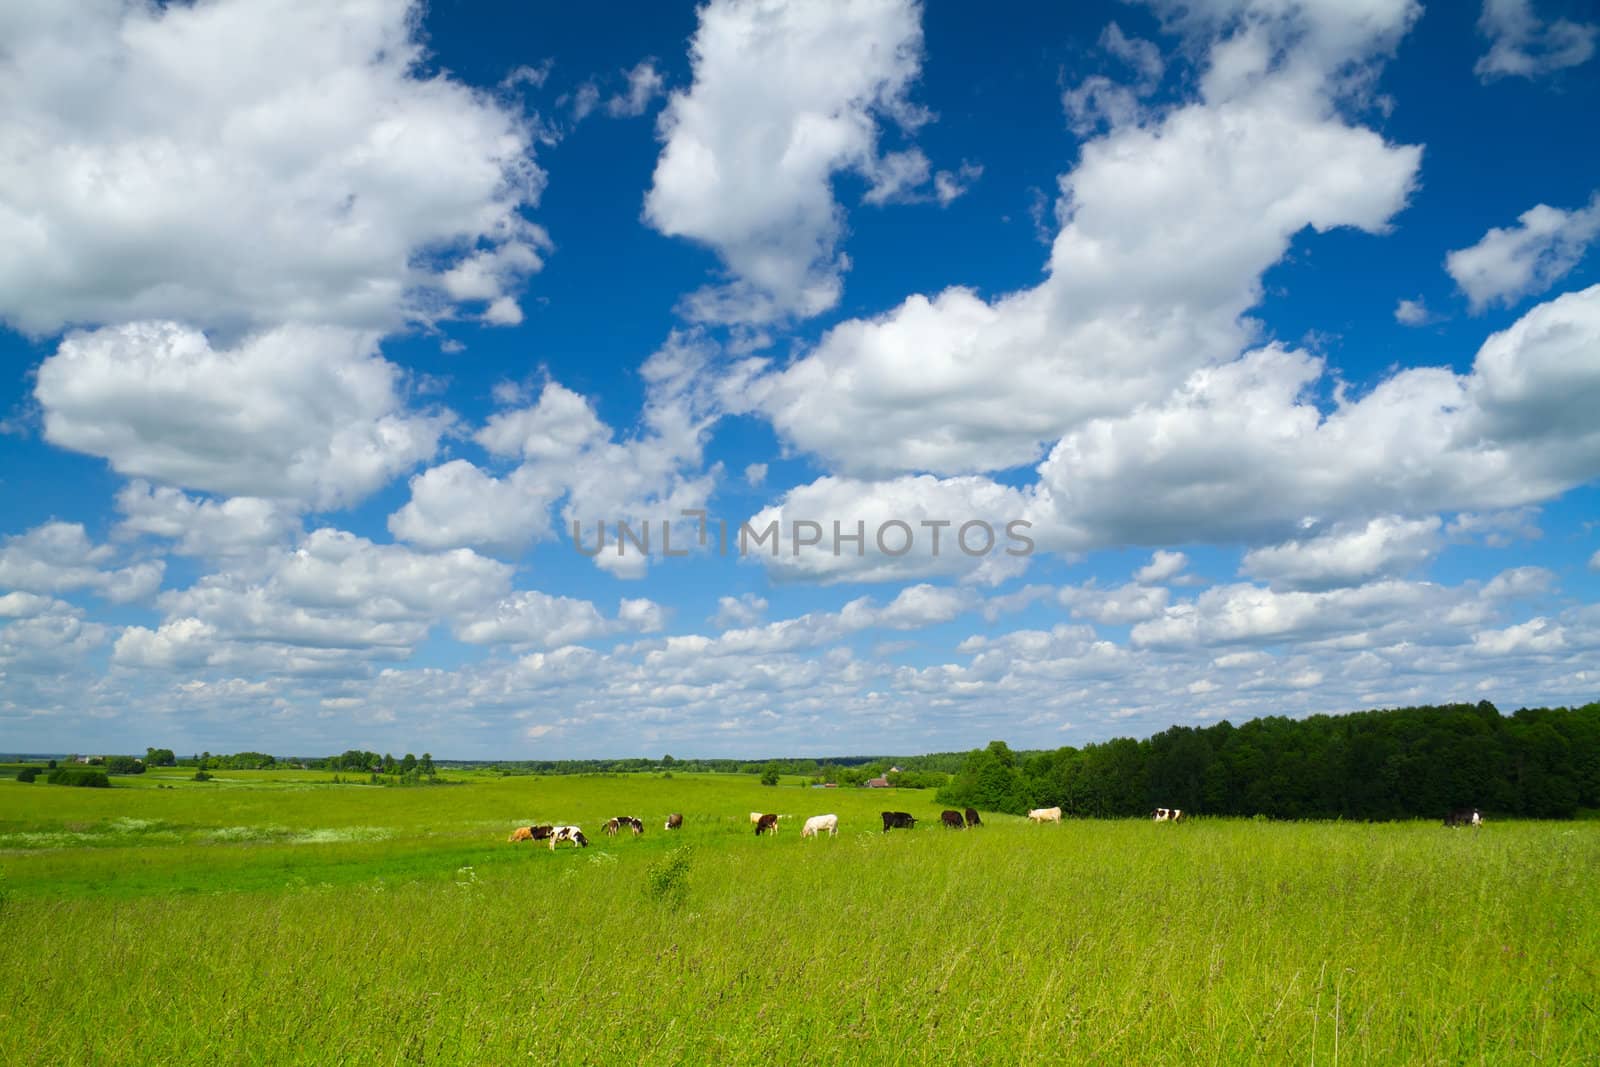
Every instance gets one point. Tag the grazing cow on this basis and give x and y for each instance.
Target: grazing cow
(767, 824)
(897, 820)
(559, 834)
(1464, 817)
(540, 833)
(755, 816)
(952, 820)
(627, 822)
(817, 823)
(1044, 815)
(1168, 815)
(674, 821)
(521, 833)
(972, 818)
(610, 828)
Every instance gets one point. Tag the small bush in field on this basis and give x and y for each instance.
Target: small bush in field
(667, 879)
(202, 776)
(89, 779)
(27, 774)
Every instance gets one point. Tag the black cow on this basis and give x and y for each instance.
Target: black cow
(1464, 817)
(952, 820)
(972, 817)
(767, 824)
(675, 821)
(897, 820)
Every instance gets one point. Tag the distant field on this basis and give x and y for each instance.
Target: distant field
(275, 917)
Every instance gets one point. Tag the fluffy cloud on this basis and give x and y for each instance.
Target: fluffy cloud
(569, 457)
(1527, 259)
(334, 595)
(169, 161)
(1167, 228)
(785, 96)
(58, 557)
(1521, 45)
(1412, 313)
(1163, 566)
(237, 525)
(645, 83)
(932, 511)
(1115, 607)
(530, 617)
(1387, 546)
(310, 414)
(43, 637)
(1242, 453)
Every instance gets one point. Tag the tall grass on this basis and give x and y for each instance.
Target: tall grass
(1223, 941)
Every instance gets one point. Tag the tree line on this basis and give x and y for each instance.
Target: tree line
(1417, 762)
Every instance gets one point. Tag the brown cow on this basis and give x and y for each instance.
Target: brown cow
(521, 833)
(767, 824)
(952, 820)
(611, 828)
(972, 817)
(675, 821)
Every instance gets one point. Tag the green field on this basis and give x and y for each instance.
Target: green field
(273, 917)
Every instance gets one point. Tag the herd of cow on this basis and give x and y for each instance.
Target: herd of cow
(767, 823)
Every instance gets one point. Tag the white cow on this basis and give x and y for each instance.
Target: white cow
(817, 823)
(568, 833)
(1044, 815)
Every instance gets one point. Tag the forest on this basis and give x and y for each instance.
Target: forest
(1418, 762)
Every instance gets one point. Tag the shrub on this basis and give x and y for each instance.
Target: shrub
(667, 879)
(69, 776)
(202, 776)
(124, 765)
(27, 774)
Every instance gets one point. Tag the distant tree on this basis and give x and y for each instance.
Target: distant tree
(769, 774)
(389, 764)
(426, 766)
(160, 757)
(124, 765)
(408, 764)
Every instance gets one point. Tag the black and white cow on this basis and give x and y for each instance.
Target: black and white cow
(952, 819)
(559, 834)
(1464, 817)
(1167, 815)
(898, 820)
(767, 824)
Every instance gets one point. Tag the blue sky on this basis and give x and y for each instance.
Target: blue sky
(1275, 321)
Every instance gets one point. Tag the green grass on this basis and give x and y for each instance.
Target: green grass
(269, 917)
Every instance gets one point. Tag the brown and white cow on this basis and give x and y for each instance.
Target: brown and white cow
(1167, 815)
(559, 834)
(1044, 815)
(818, 823)
(952, 819)
(675, 821)
(521, 833)
(767, 824)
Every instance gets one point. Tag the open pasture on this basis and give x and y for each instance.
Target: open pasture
(274, 917)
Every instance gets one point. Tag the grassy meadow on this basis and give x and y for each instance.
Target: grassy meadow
(275, 917)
